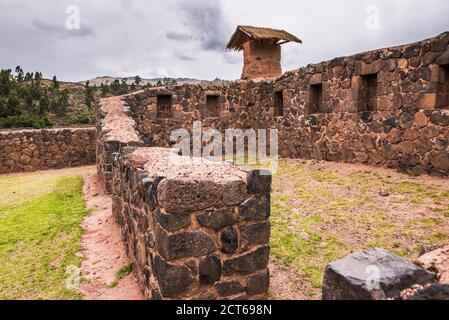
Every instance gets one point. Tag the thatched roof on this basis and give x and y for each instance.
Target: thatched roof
(247, 33)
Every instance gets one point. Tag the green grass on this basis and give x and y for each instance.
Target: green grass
(123, 272)
(40, 234)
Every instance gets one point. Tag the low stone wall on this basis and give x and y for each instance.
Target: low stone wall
(195, 229)
(115, 130)
(30, 150)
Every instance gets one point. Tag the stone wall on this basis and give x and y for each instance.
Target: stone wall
(194, 229)
(30, 150)
(387, 107)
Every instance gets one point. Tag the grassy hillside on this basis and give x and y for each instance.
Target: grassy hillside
(29, 101)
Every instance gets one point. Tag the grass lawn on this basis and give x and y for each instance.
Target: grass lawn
(324, 211)
(40, 232)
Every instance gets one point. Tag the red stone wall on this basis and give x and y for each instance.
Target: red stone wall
(408, 130)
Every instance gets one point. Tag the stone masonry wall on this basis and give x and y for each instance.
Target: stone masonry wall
(407, 129)
(30, 150)
(194, 229)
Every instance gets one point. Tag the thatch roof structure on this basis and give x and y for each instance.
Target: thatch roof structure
(247, 33)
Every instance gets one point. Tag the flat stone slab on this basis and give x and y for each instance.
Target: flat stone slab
(372, 274)
(192, 184)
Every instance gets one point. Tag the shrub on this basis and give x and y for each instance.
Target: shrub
(26, 122)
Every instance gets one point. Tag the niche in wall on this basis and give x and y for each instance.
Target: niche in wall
(212, 106)
(278, 104)
(316, 98)
(445, 88)
(368, 93)
(164, 106)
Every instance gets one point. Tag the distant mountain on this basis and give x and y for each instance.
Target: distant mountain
(130, 80)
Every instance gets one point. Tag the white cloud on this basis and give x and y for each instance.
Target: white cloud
(183, 38)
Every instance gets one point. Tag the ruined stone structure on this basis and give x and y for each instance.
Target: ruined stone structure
(261, 50)
(194, 229)
(387, 107)
(30, 150)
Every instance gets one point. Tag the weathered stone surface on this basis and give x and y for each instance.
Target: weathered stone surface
(229, 288)
(258, 283)
(440, 160)
(440, 117)
(210, 269)
(438, 262)
(259, 181)
(255, 234)
(174, 280)
(432, 292)
(172, 221)
(370, 275)
(256, 208)
(229, 241)
(218, 219)
(249, 262)
(184, 244)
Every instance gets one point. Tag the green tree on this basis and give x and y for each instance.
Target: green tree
(137, 80)
(43, 105)
(89, 97)
(13, 104)
(3, 109)
(37, 76)
(20, 74)
(6, 82)
(115, 87)
(55, 83)
(29, 76)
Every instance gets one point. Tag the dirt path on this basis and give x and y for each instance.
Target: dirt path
(103, 250)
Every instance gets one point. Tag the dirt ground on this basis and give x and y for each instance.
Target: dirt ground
(103, 250)
(323, 211)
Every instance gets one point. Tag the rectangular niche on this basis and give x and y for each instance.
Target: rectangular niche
(278, 104)
(212, 106)
(316, 98)
(368, 94)
(445, 89)
(164, 106)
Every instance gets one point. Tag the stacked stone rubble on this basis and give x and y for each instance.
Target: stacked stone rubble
(196, 231)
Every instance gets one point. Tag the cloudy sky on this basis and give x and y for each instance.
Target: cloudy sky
(187, 38)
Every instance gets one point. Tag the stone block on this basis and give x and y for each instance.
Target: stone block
(248, 262)
(217, 219)
(258, 283)
(255, 234)
(229, 239)
(174, 280)
(229, 288)
(172, 221)
(210, 269)
(259, 181)
(371, 275)
(256, 208)
(183, 244)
